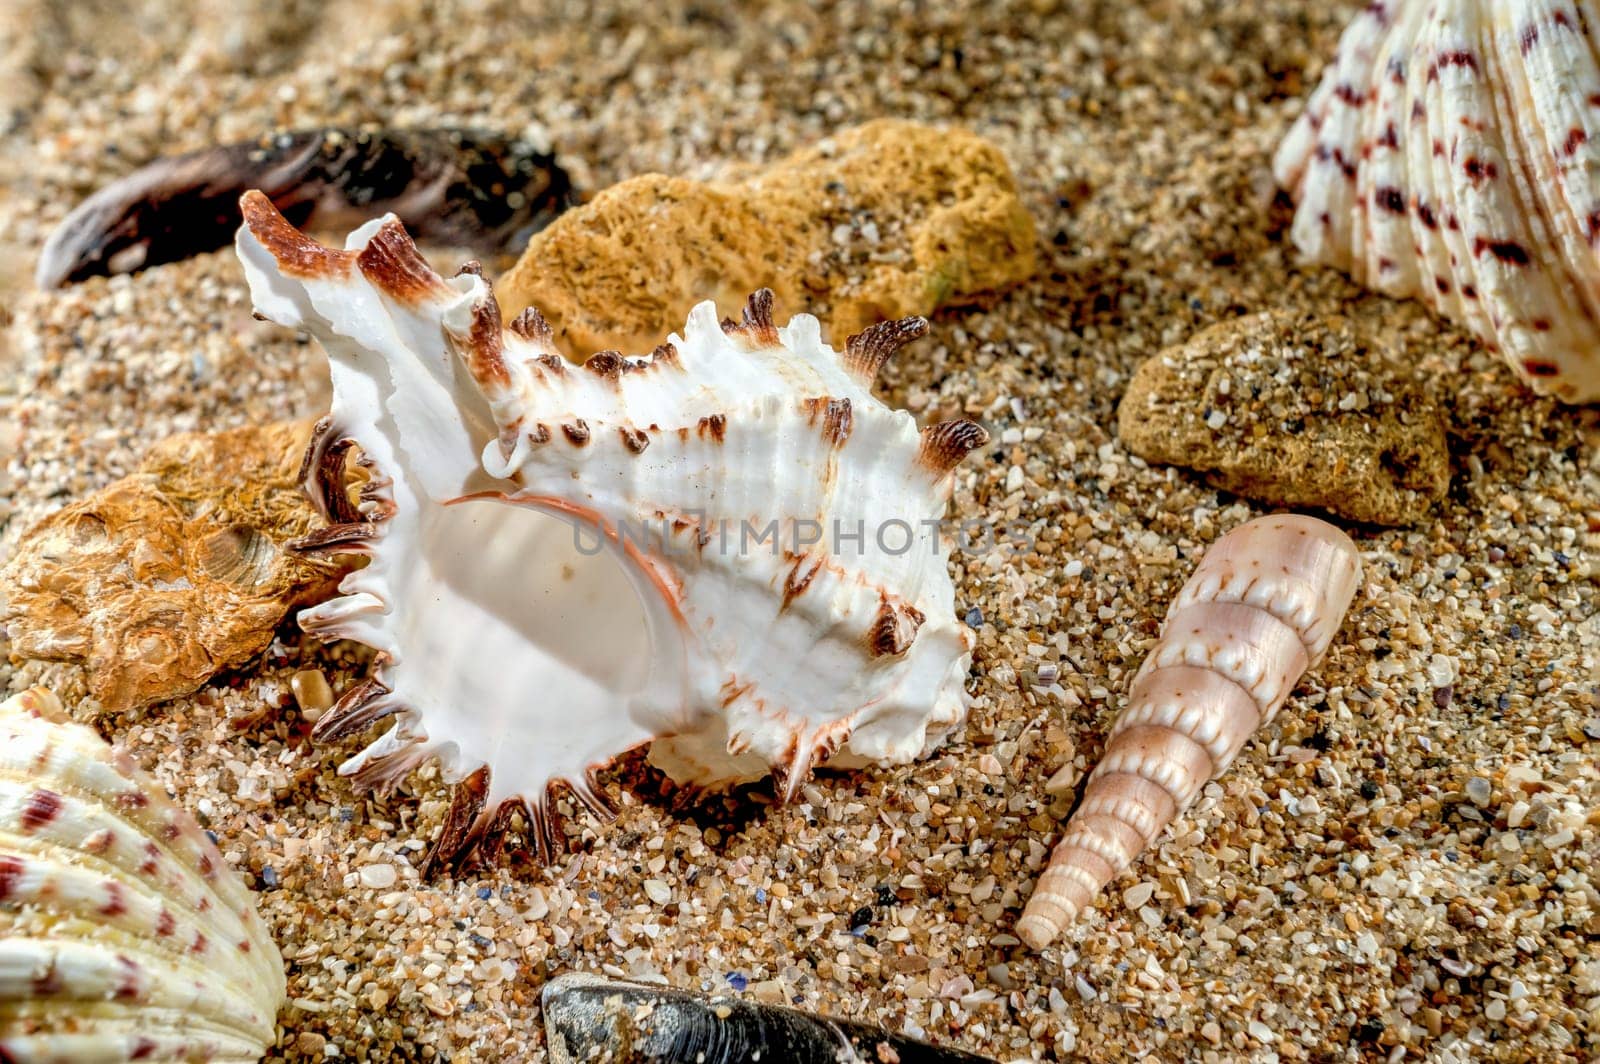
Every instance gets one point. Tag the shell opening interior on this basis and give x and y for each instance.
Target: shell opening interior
(574, 640)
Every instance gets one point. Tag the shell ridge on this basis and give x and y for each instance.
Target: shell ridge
(1527, 153)
(116, 906)
(1574, 193)
(89, 978)
(1497, 165)
(84, 804)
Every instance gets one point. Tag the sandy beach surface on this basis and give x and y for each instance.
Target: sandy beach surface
(1403, 867)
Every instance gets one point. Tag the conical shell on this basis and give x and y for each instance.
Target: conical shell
(124, 935)
(1451, 153)
(1261, 607)
(726, 548)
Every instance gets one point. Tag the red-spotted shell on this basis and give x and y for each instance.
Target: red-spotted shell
(1451, 153)
(124, 935)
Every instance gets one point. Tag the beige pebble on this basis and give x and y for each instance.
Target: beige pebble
(1064, 780)
(311, 693)
(1517, 814)
(378, 876)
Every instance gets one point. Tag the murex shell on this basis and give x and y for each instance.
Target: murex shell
(706, 547)
(1452, 153)
(124, 935)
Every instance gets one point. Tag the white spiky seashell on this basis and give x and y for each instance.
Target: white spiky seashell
(1261, 607)
(124, 935)
(1451, 153)
(517, 658)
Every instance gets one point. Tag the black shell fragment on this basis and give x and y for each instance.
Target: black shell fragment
(466, 188)
(590, 1020)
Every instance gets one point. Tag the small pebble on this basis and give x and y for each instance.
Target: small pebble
(1517, 814)
(1063, 780)
(378, 876)
(657, 891)
(311, 693)
(1479, 791)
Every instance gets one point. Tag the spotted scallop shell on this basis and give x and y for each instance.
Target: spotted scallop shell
(1451, 153)
(763, 587)
(124, 935)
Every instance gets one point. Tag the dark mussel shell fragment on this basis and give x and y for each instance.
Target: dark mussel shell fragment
(466, 188)
(590, 1020)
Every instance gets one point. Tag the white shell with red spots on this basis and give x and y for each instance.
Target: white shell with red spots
(570, 561)
(124, 935)
(1451, 153)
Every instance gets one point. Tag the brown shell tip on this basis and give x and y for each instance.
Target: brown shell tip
(532, 326)
(894, 629)
(323, 475)
(392, 262)
(757, 326)
(297, 254)
(460, 832)
(837, 416)
(593, 796)
(483, 347)
(944, 445)
(790, 773)
(868, 351)
(607, 364)
(353, 537)
(360, 706)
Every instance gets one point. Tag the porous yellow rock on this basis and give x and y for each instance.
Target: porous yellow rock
(166, 577)
(882, 221)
